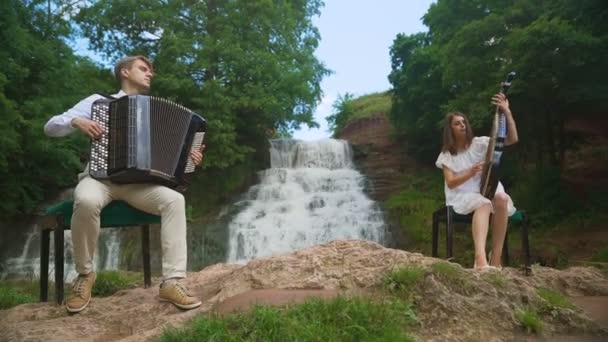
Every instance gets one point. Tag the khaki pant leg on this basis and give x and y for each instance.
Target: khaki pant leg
(171, 206)
(90, 197)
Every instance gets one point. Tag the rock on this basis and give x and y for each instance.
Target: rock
(461, 305)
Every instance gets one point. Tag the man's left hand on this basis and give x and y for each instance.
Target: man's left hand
(197, 156)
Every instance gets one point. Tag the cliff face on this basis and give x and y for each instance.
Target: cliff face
(452, 303)
(377, 154)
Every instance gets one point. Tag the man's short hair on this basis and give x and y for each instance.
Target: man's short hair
(127, 62)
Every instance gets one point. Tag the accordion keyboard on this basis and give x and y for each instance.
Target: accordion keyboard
(99, 147)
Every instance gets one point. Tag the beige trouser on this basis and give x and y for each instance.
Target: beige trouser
(90, 196)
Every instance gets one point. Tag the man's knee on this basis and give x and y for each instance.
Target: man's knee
(174, 199)
(88, 202)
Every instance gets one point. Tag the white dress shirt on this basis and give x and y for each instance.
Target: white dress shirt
(61, 125)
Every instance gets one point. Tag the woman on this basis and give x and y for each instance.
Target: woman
(462, 157)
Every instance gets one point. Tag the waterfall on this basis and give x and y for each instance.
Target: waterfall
(27, 264)
(311, 195)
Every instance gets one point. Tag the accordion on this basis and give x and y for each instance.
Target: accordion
(147, 140)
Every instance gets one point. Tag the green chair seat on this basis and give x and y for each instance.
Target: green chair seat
(115, 214)
(57, 218)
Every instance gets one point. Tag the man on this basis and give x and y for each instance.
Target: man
(134, 74)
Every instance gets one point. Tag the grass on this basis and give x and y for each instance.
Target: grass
(110, 282)
(554, 299)
(403, 280)
(529, 320)
(341, 319)
(420, 196)
(16, 293)
(371, 104)
(452, 276)
(601, 255)
(496, 279)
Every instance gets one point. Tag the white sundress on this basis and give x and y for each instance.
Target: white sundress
(466, 197)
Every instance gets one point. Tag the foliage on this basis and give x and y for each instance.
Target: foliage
(11, 295)
(453, 276)
(343, 111)
(348, 109)
(529, 320)
(554, 299)
(413, 206)
(340, 319)
(39, 76)
(109, 282)
(557, 49)
(404, 279)
(601, 255)
(247, 66)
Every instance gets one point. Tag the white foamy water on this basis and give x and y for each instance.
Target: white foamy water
(27, 264)
(310, 195)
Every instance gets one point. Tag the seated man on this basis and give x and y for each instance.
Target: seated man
(90, 196)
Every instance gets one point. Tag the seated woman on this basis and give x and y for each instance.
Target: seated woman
(461, 159)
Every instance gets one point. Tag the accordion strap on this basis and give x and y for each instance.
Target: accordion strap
(107, 96)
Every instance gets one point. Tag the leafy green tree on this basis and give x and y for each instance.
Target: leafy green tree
(39, 77)
(343, 111)
(247, 66)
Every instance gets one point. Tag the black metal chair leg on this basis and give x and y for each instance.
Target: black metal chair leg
(44, 265)
(59, 259)
(145, 245)
(434, 251)
(525, 244)
(450, 233)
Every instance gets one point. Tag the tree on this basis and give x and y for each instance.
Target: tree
(39, 77)
(247, 66)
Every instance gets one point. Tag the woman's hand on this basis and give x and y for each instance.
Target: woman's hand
(197, 156)
(501, 101)
(475, 169)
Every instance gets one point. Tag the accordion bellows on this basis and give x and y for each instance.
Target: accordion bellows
(147, 140)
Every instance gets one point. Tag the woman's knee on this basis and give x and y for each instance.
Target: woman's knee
(501, 199)
(485, 209)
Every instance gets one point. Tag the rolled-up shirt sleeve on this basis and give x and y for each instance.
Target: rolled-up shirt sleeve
(61, 125)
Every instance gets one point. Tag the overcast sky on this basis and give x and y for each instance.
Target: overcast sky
(356, 36)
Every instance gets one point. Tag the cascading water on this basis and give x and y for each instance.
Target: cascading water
(27, 264)
(310, 195)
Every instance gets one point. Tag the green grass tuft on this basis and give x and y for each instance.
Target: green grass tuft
(529, 320)
(497, 279)
(601, 255)
(404, 279)
(341, 319)
(555, 299)
(110, 282)
(12, 295)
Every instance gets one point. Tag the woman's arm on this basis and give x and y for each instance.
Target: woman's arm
(501, 101)
(454, 181)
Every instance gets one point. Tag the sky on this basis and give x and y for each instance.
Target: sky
(356, 36)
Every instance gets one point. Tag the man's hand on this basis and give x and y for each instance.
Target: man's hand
(197, 156)
(88, 127)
